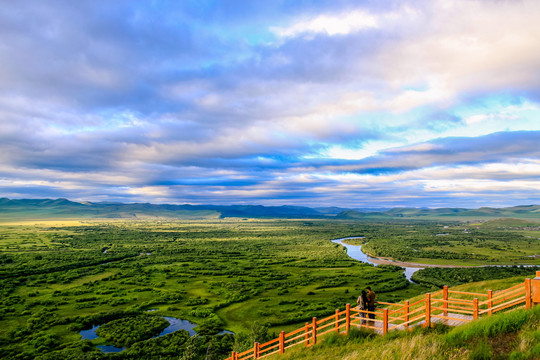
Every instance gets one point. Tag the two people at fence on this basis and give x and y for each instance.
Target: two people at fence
(362, 305)
(366, 301)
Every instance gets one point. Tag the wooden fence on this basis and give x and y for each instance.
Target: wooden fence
(447, 306)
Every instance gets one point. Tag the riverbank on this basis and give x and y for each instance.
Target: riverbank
(390, 261)
(407, 264)
(355, 252)
(365, 257)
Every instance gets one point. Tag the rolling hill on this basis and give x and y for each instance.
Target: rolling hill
(30, 209)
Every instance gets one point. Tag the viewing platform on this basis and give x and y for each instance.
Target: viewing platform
(449, 307)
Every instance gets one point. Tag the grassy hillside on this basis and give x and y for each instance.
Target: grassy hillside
(509, 335)
(512, 335)
(529, 212)
(351, 214)
(509, 223)
(41, 209)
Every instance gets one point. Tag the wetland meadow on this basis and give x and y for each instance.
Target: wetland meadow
(238, 280)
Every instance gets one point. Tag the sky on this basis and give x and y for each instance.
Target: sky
(425, 103)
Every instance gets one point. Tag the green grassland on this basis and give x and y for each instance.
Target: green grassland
(58, 279)
(246, 276)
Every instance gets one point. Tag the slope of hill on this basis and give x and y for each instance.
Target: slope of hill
(506, 335)
(512, 335)
(352, 214)
(509, 223)
(63, 208)
(530, 212)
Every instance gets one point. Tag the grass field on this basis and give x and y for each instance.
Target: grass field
(235, 274)
(222, 274)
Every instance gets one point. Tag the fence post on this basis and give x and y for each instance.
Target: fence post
(475, 308)
(257, 350)
(307, 334)
(337, 321)
(406, 310)
(428, 310)
(535, 290)
(385, 321)
(234, 355)
(314, 330)
(282, 342)
(528, 295)
(490, 302)
(348, 319)
(445, 298)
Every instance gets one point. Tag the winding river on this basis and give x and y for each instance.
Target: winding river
(174, 325)
(355, 252)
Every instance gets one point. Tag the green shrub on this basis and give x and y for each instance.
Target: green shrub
(126, 331)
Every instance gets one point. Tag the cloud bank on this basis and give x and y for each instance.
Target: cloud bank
(346, 103)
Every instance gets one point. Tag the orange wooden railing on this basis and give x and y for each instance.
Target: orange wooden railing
(448, 305)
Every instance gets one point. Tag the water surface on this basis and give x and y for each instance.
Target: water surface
(110, 348)
(174, 325)
(178, 324)
(355, 252)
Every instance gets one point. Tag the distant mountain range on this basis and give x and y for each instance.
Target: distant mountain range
(63, 208)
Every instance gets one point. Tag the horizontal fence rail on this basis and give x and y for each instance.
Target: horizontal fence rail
(447, 306)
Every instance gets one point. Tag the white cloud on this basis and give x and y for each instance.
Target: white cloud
(413, 148)
(471, 46)
(150, 192)
(369, 148)
(476, 119)
(411, 99)
(479, 186)
(340, 24)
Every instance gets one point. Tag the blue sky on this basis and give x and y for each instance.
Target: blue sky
(316, 103)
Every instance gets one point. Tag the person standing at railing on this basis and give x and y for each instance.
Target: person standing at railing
(362, 305)
(371, 304)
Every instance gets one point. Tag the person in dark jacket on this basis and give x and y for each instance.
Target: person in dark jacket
(362, 305)
(371, 303)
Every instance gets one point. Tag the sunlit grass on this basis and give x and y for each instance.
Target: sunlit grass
(511, 335)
